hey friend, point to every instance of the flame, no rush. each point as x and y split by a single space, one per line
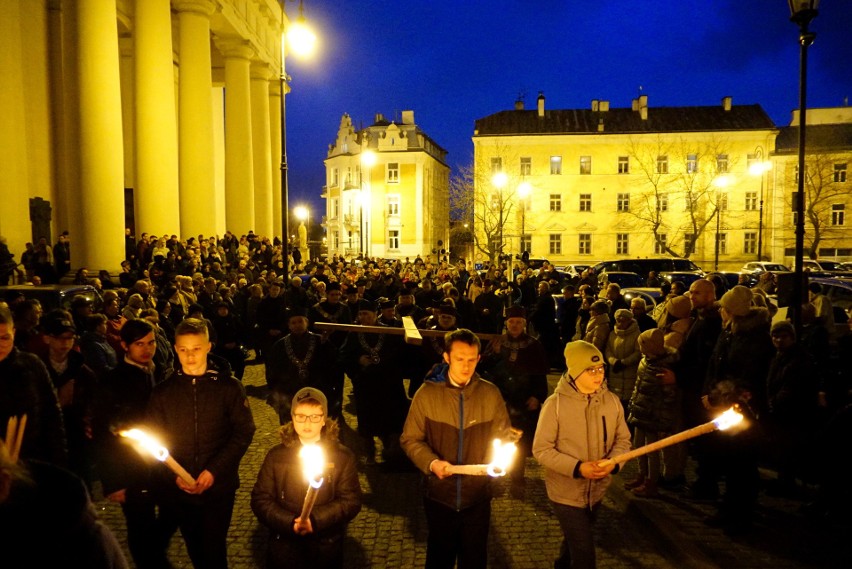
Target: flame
728 419
147 442
313 464
503 456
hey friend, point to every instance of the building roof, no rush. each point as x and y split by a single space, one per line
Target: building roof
831 137
624 121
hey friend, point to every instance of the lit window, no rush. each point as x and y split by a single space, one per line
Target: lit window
526 166
496 165
692 163
393 204
555 165
722 163
585 165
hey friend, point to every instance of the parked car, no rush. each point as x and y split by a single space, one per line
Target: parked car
644 266
651 295
825 268
573 270
686 278
51 296
758 267
838 291
622 279
732 278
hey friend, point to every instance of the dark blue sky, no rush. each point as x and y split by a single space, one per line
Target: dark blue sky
454 62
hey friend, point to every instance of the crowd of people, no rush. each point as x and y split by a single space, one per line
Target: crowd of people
176 327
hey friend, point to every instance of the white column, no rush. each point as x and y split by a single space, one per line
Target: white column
262 153
99 239
239 163
195 122
156 192
275 156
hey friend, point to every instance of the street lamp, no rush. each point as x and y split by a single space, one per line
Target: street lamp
758 167
524 190
801 14
499 181
720 182
368 160
302 42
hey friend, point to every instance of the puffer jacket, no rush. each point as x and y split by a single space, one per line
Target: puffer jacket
574 428
653 405
597 331
206 424
432 432
623 355
280 489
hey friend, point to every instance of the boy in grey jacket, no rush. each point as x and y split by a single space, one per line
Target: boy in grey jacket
580 425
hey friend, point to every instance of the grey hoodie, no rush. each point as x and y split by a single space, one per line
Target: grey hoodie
573 428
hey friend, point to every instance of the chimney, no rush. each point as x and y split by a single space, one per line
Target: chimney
519 104
407 117
643 101
600 125
726 103
643 113
634 105
540 102
604 106
379 117
595 105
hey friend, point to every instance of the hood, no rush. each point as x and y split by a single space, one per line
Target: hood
567 387
631 330
757 320
330 433
438 373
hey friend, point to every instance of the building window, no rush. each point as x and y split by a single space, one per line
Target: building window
585 202
393 173
393 204
662 164
393 239
692 163
555 202
624 164
750 243
688 243
723 243
722 201
838 214
840 173
721 163
335 208
662 202
585 164
660 243
622 244
793 199
623 203
555 243
348 179
496 165
335 177
689 202
526 166
526 243
751 201
585 244
555 165
335 240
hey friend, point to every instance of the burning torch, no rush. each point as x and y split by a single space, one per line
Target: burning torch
313 465
158 451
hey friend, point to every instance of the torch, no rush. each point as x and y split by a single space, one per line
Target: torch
313 465
502 459
724 421
158 451
15 436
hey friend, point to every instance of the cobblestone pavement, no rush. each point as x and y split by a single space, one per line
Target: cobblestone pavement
631 532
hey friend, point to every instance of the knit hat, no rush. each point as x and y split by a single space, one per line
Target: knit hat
308 394
623 313
679 307
783 327
516 312
580 356
737 301
652 342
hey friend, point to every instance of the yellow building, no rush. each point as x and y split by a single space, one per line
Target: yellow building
828 186
113 116
582 185
386 191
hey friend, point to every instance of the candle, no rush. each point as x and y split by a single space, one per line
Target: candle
724 421
502 459
15 436
158 451
313 465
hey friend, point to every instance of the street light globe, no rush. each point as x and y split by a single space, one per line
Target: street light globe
301 38
723 181
301 212
759 167
500 179
524 189
368 158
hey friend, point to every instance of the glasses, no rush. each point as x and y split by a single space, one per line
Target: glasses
299 418
595 370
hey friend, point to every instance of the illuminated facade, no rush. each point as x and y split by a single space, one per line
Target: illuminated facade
114 116
386 191
603 183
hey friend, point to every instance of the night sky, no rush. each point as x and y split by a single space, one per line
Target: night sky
454 62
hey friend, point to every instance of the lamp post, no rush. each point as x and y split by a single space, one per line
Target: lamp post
499 181
368 160
719 182
524 190
302 42
801 14
759 167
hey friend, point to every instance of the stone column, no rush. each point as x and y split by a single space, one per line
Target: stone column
262 151
239 162
156 191
275 156
195 120
98 237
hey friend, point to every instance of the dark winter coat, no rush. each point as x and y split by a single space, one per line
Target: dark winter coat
653 406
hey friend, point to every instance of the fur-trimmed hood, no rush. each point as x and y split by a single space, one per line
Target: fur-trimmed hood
757 318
